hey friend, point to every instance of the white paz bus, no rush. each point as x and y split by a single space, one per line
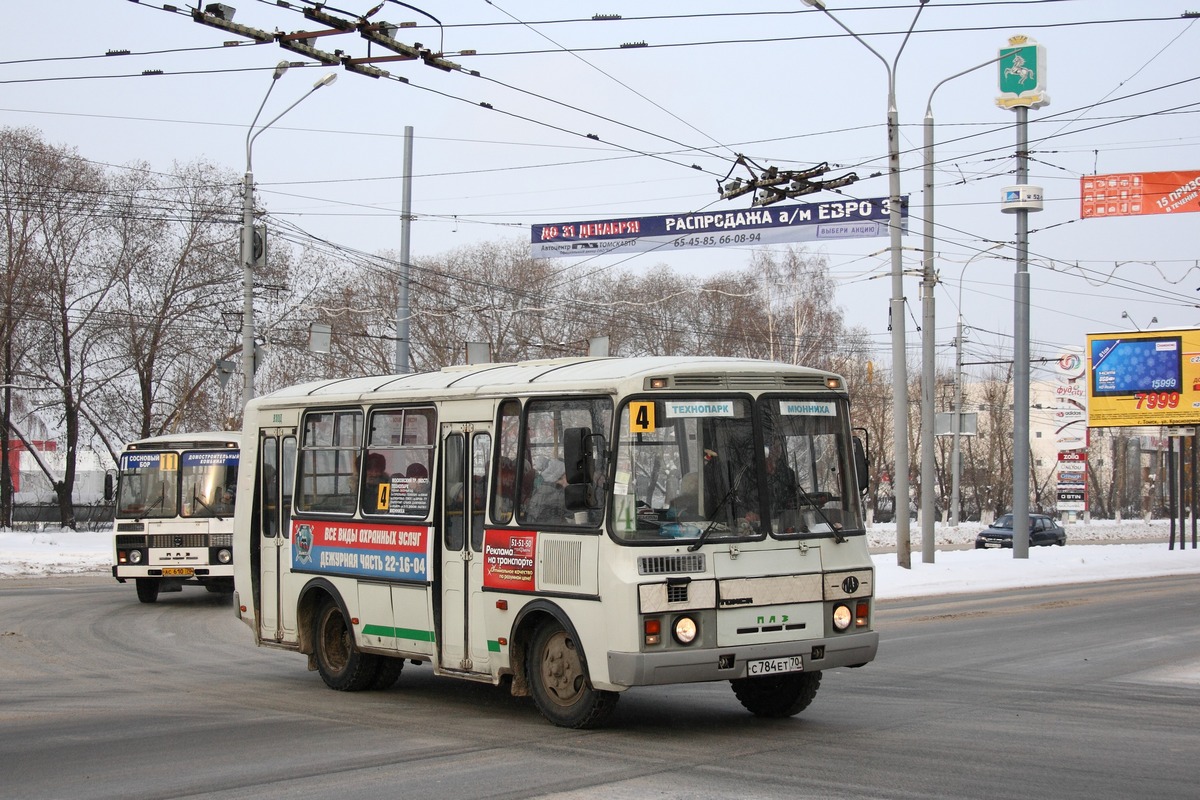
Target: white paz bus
174 512
572 528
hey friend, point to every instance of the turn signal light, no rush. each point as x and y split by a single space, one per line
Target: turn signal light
653 631
862 613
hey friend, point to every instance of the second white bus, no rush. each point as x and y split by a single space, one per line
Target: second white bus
174 513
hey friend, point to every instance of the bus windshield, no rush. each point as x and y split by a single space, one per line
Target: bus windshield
731 468
209 481
148 485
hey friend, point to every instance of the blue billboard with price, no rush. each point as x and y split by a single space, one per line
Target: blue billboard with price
804 222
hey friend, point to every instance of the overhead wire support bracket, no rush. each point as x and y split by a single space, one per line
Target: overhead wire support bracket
218 20
774 185
298 42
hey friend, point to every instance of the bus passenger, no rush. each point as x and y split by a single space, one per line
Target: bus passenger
374 475
547 502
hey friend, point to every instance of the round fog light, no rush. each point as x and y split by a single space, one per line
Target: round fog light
842 617
685 630
224 556
135 556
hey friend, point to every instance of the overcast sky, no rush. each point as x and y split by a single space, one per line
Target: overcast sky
774 80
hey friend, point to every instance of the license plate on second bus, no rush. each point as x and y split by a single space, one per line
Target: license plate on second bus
178 572
774 666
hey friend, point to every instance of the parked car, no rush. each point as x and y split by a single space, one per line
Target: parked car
1043 530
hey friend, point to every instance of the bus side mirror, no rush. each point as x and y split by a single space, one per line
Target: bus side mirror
109 486
862 469
578 458
579 497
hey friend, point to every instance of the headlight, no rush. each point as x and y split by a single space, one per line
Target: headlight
224 556
842 617
135 556
684 630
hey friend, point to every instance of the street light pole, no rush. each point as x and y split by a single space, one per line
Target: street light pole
928 337
955 448
896 310
247 239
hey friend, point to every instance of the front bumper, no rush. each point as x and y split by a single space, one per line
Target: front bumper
722 664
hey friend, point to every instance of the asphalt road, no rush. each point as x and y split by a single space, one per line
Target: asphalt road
1085 691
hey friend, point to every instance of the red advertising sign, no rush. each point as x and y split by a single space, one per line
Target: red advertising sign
1132 194
508 559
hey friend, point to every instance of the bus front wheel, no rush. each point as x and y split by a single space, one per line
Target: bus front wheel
342 665
559 682
147 589
777 696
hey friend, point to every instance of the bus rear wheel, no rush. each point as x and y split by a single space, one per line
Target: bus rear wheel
147 589
777 696
559 682
342 665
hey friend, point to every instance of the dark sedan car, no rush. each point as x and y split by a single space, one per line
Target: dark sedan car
1042 531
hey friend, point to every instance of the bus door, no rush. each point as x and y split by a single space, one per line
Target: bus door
466 451
277 460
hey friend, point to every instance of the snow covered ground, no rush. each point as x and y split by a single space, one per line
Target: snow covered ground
1096 551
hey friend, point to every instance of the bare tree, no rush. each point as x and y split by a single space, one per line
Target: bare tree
73 274
20 171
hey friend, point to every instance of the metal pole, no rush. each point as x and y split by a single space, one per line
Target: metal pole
955 451
402 310
247 248
247 283
896 310
1021 354
928 281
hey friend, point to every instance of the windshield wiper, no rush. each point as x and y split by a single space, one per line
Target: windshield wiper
198 500
694 546
835 528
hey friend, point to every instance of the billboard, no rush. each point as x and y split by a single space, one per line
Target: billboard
1143 378
1132 194
805 222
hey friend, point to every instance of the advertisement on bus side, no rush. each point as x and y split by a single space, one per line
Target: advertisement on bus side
395 552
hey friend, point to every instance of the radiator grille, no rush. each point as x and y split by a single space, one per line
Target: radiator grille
129 540
179 540
677 593
671 565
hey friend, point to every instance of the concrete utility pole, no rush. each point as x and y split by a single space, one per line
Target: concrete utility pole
402 309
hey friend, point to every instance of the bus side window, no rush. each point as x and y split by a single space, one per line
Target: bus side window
481 447
329 461
269 477
505 497
543 496
285 486
456 493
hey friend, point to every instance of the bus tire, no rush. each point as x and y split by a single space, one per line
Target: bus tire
777 696
342 665
559 682
147 589
387 673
